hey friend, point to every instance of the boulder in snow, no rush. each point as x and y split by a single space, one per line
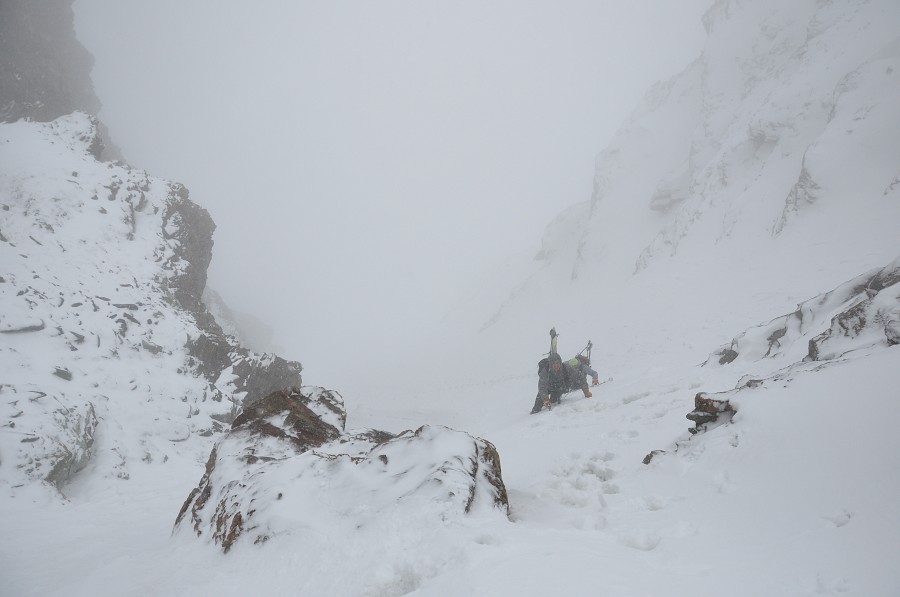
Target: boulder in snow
283 469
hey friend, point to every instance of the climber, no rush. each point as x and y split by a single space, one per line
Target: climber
579 368
555 377
553 382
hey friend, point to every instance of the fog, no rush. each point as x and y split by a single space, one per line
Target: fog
366 161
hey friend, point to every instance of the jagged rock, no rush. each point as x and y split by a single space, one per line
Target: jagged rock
259 376
213 354
708 410
281 456
298 424
892 332
249 376
150 346
63 373
865 305
653 454
726 355
61 445
192 227
804 192
46 71
869 321
75 451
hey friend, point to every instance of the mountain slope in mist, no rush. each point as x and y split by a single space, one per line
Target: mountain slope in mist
771 156
757 183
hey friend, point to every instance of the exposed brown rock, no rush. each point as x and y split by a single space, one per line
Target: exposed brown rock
300 425
708 409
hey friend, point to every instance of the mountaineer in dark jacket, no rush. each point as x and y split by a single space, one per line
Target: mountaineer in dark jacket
555 378
553 382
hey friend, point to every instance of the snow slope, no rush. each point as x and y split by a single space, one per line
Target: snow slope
768 166
763 178
91 341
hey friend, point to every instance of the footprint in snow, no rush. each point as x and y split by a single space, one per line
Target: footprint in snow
581 483
641 540
841 518
654 503
486 540
723 482
822 586
634 397
610 488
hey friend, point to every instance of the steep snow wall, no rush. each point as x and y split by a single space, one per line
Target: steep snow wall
768 167
783 126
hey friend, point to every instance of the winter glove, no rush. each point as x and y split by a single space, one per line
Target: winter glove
596 381
587 393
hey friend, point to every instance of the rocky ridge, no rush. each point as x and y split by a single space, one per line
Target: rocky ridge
858 317
855 320
113 361
104 268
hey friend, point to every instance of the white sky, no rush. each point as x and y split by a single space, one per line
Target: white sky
362 160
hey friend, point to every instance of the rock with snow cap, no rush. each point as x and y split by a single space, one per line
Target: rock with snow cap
871 321
856 314
287 465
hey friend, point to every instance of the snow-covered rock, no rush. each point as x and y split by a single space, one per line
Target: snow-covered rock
103 270
851 321
287 464
857 314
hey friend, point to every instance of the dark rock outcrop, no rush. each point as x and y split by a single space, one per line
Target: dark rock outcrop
708 409
255 375
45 70
299 424
260 375
191 225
